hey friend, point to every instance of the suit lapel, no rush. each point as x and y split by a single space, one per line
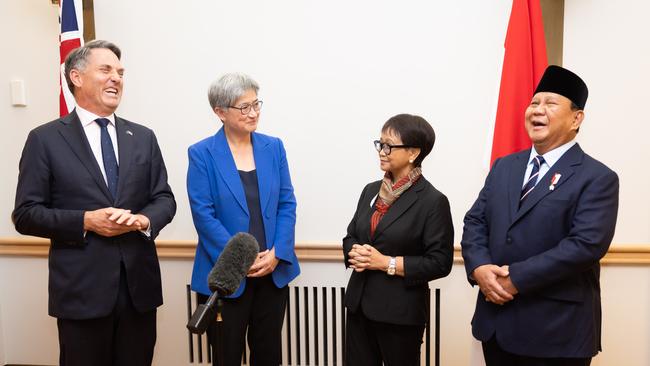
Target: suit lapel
224 163
565 167
264 166
516 180
406 200
126 144
75 137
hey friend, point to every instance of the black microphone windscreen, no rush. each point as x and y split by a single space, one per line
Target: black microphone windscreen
233 264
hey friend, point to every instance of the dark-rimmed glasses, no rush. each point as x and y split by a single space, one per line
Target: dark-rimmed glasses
387 148
246 108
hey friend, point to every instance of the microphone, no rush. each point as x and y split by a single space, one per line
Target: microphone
233 264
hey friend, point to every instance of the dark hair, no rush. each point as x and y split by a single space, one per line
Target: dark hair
78 57
414 131
575 108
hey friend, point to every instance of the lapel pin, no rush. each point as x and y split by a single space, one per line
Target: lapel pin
554 180
128 132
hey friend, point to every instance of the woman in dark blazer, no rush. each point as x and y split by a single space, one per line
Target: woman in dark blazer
400 238
238 181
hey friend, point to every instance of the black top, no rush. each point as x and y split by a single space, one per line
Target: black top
256 225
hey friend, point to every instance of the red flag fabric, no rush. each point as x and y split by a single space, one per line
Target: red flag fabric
71 37
524 63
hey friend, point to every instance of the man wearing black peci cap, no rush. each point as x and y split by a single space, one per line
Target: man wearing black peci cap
533 239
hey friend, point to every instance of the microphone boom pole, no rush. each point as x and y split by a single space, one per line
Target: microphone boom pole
231 268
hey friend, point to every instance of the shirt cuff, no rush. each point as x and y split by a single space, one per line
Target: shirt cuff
147 232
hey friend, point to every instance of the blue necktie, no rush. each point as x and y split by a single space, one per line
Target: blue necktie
108 155
532 180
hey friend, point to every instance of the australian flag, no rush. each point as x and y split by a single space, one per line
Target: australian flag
71 37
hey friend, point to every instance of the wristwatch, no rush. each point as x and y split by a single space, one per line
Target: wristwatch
391 266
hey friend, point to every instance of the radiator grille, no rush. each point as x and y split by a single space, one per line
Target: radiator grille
313 333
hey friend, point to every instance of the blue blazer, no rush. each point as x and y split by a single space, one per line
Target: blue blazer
553 244
219 207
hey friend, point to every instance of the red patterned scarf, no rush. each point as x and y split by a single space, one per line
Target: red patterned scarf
389 193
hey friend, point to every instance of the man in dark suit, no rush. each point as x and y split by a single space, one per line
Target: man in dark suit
533 239
96 186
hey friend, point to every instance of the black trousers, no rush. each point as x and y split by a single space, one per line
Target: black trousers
123 338
496 356
260 312
369 343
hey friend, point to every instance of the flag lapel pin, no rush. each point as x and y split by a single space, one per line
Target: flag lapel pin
554 180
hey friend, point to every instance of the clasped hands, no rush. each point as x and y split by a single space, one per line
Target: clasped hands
111 221
495 283
264 264
362 257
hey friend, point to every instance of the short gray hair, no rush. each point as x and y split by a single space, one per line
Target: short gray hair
224 91
78 57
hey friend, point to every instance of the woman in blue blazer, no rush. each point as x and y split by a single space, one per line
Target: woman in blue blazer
238 181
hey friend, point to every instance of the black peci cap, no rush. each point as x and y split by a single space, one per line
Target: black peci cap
564 82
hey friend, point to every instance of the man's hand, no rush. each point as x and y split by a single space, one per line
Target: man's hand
506 282
112 221
264 264
490 278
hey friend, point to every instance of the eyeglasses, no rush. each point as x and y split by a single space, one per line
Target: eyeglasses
246 108
387 148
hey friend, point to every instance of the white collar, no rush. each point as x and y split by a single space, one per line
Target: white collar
551 157
87 117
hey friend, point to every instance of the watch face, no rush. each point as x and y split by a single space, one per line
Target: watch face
391 271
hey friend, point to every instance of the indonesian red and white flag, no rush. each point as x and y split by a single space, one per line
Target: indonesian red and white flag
524 63
71 37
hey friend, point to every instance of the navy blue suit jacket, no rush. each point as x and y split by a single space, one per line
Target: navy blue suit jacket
219 207
553 245
59 180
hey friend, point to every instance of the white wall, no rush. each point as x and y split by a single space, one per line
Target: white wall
30 43
626 319
331 73
606 42
626 300
2 340
25 322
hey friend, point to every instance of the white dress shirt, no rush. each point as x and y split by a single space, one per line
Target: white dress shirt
93 134
550 158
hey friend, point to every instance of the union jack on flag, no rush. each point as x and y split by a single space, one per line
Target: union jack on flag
71 37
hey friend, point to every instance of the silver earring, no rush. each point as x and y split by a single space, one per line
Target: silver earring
411 161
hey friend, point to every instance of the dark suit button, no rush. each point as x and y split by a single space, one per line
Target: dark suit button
509 240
